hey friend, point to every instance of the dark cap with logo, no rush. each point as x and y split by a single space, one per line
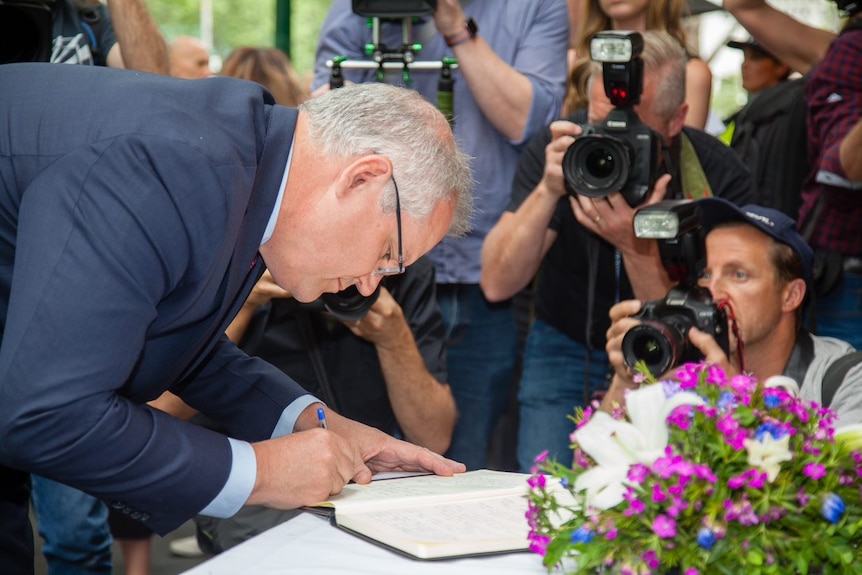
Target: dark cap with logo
751 44
777 225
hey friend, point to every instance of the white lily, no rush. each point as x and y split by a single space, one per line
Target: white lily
616 445
788 383
768 455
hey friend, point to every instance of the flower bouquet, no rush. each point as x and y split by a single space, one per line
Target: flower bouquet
699 475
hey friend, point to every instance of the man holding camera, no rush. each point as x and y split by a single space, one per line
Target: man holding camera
759 269
584 249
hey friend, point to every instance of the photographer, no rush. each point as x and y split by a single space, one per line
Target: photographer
759 269
584 250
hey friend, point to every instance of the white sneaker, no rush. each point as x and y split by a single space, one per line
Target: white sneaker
186 547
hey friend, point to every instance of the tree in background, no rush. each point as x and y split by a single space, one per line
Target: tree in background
245 23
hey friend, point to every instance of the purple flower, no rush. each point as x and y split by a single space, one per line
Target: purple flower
833 508
664 527
537 481
815 471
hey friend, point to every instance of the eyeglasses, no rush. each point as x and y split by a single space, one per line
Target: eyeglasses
400 269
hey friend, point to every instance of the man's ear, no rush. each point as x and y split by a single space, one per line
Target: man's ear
794 295
678 120
372 171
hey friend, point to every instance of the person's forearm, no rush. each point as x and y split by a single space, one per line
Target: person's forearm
645 270
424 408
142 44
851 158
796 44
504 95
617 393
240 323
514 248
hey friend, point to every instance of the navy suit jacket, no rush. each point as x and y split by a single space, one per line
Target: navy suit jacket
132 207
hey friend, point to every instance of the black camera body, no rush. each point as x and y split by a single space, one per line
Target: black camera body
346 305
394 8
661 339
25 30
621 153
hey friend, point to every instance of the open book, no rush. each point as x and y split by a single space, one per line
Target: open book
432 517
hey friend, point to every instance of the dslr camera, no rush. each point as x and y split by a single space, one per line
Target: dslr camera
346 305
661 339
393 8
620 154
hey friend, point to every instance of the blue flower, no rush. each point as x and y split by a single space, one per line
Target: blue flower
775 430
726 401
832 508
582 535
706 538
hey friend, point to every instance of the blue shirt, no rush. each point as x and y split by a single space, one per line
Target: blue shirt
530 36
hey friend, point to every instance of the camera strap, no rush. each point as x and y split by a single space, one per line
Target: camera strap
307 331
695 184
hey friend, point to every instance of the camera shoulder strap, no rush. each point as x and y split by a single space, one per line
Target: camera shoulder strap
835 374
695 185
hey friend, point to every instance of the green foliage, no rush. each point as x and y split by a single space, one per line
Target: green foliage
245 23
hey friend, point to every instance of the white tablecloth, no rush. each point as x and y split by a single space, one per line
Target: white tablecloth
309 545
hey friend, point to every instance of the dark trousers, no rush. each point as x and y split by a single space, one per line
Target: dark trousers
16 533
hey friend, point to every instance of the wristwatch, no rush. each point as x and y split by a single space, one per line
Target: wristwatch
468 32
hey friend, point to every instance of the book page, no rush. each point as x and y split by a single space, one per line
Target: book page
396 493
466 527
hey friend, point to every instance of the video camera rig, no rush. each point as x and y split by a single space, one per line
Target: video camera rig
403 57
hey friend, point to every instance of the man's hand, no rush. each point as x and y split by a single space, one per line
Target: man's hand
311 464
621 323
449 17
712 352
384 324
612 218
264 291
563 134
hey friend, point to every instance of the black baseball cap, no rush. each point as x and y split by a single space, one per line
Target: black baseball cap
751 44
776 224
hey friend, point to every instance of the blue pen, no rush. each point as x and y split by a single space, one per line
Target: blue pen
321 417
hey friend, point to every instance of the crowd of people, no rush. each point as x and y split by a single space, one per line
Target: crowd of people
209 261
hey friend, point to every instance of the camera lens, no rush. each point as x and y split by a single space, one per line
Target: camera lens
657 344
596 165
600 163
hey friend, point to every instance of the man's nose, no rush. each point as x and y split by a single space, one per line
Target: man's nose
367 284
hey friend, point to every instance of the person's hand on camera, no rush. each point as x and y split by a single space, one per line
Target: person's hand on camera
712 351
563 134
384 324
612 218
623 380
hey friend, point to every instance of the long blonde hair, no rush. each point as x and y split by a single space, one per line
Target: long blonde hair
661 15
270 68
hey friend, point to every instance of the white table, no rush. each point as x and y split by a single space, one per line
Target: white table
309 545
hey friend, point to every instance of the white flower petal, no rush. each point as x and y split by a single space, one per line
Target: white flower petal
788 383
605 486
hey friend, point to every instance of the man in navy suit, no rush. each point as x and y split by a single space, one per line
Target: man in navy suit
136 214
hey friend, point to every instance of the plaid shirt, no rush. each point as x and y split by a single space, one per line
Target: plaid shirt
834 96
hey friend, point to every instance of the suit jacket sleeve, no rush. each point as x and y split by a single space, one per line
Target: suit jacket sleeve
124 276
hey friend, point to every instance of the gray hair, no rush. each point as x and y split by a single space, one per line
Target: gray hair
665 57
664 61
397 123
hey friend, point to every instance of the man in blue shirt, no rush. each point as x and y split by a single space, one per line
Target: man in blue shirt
510 82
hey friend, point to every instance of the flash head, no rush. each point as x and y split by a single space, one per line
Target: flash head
616 46
666 220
